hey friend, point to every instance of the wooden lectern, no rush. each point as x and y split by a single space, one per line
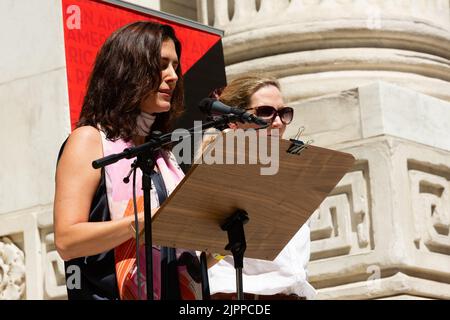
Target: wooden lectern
277 205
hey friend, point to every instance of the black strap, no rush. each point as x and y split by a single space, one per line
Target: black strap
159 185
170 287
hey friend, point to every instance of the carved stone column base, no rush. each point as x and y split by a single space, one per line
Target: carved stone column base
384 231
31 231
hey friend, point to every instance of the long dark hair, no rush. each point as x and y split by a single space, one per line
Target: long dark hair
127 68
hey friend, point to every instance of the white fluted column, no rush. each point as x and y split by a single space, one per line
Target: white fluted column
435 12
341 43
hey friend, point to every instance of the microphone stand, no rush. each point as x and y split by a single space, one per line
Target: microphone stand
145 154
234 226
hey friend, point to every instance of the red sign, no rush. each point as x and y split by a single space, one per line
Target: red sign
88 23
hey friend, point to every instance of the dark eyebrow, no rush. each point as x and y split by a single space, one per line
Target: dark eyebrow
165 59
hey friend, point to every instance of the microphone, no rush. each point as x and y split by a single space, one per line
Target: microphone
210 106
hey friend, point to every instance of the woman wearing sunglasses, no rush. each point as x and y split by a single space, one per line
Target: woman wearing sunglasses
284 278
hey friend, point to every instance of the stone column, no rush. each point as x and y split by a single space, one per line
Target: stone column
364 77
323 46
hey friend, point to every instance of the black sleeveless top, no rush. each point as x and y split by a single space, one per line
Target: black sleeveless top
93 277
97 274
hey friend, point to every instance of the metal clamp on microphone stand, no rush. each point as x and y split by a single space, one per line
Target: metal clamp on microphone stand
234 226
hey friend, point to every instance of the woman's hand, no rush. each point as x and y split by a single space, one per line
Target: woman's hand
141 222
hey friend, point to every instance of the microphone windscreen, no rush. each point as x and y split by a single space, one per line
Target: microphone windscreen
205 105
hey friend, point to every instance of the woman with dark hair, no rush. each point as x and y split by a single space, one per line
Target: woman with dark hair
135 87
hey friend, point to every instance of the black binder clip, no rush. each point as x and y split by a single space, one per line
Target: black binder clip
297 146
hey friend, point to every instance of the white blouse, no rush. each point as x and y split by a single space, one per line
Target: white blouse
287 274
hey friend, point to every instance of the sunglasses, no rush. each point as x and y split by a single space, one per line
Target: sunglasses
268 112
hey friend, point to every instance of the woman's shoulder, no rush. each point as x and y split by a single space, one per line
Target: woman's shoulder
86 136
84 142
85 133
